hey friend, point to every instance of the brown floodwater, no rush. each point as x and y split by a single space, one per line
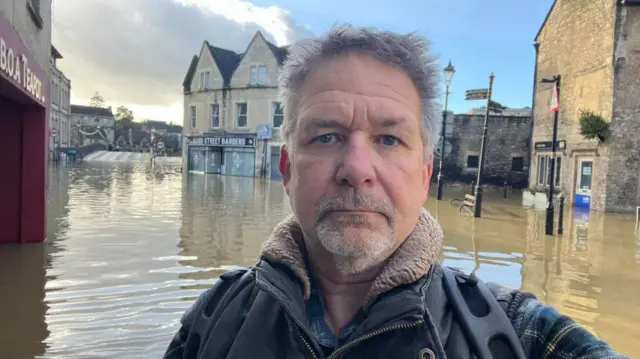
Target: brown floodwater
128 250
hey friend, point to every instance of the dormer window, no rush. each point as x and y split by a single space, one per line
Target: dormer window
258 75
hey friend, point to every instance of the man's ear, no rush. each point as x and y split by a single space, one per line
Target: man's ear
427 171
285 166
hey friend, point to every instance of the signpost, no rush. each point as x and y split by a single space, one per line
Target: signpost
481 94
554 107
54 133
476 94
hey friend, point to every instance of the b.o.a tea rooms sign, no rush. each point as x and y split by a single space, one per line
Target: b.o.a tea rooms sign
15 66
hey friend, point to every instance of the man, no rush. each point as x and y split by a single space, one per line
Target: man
353 272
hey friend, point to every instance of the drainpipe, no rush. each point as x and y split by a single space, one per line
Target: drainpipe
536 46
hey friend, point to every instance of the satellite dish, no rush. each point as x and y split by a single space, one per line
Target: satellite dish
264 132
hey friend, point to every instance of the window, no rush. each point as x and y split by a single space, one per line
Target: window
257 75
241 115
192 116
34 10
517 164
35 4
253 76
544 171
215 115
207 80
277 114
472 161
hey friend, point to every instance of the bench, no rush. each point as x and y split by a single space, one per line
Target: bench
468 203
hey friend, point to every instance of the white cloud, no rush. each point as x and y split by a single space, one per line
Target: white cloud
137 52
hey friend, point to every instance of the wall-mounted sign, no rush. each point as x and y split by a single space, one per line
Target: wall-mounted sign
546 145
16 67
224 141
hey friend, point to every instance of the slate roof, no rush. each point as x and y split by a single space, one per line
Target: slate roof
227 61
91 111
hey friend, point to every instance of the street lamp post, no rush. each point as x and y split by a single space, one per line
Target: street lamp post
449 71
477 208
549 220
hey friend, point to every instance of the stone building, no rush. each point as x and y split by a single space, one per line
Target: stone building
595 47
230 102
92 125
25 49
507 151
60 95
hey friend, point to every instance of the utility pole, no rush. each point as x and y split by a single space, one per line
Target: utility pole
477 208
449 71
556 109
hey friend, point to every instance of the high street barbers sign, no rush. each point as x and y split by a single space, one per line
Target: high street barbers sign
223 141
17 66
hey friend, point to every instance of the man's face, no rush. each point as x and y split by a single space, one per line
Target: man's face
356 172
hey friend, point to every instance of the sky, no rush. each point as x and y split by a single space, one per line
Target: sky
136 52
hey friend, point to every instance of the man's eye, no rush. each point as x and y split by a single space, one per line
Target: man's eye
389 140
325 138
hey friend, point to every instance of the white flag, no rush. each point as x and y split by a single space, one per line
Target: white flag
555 101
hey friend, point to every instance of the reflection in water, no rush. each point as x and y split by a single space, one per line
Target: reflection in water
128 250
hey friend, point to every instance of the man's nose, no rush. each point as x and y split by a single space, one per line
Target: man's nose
356 166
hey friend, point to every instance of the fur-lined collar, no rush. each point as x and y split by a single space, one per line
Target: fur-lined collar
407 264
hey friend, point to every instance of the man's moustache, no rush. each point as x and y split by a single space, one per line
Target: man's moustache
353 200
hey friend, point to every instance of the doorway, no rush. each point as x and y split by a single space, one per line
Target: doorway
584 176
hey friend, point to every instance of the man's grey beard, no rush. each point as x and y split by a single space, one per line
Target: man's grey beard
355 255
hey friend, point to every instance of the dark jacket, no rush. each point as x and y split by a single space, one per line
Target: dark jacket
260 313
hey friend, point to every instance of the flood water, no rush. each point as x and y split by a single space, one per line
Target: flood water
128 251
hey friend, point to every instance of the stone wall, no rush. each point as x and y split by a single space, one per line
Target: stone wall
622 183
507 137
577 42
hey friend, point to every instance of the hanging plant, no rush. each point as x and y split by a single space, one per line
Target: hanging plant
593 125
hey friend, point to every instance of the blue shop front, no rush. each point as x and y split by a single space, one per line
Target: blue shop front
226 154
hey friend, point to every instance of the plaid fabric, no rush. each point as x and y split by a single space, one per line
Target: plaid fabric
545 333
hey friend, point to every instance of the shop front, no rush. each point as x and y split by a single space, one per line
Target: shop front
226 154
23 140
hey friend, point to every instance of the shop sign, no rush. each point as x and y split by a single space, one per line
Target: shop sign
15 64
223 141
546 145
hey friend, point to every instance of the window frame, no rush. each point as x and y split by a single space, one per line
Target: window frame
262 81
211 116
274 106
253 76
193 116
513 158
246 115
544 163
477 162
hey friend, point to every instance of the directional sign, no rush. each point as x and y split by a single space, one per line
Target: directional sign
54 133
476 94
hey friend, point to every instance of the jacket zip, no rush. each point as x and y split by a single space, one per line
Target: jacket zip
341 350
307 345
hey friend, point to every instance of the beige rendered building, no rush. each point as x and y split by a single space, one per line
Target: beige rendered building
231 113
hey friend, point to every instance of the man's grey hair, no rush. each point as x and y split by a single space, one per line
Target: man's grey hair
408 53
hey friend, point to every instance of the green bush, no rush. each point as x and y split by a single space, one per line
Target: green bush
593 125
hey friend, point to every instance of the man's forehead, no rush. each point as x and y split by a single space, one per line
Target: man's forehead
352 71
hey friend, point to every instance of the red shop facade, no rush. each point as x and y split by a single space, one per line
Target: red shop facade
24 89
